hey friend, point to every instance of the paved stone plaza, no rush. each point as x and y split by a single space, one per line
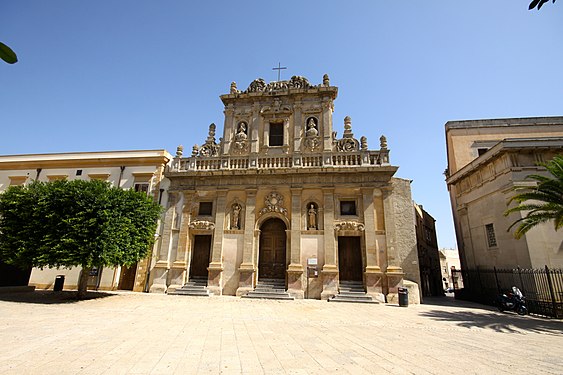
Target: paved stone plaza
131 333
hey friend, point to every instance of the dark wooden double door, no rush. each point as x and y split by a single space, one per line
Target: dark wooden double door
200 257
272 256
350 259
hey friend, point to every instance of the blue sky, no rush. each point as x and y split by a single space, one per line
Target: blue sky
117 75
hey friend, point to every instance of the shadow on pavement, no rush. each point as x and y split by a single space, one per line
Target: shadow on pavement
490 319
47 297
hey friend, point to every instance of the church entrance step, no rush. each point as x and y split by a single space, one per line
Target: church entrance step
269 289
194 287
352 291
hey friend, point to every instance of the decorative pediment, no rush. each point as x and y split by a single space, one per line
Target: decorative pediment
349 225
202 225
276 108
274 203
296 82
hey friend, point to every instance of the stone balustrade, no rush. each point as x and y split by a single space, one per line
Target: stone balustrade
334 159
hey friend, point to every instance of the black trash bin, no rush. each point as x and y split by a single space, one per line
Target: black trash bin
403 297
59 282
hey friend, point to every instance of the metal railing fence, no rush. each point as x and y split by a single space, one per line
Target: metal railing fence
543 288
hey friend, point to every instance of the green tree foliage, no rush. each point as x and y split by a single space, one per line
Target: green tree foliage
538 4
7 54
541 203
75 223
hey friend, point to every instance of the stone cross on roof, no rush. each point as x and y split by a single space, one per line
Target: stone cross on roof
279 69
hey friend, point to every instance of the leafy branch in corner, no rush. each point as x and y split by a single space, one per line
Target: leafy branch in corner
538 4
7 54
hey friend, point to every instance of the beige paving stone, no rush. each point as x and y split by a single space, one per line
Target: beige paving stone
129 333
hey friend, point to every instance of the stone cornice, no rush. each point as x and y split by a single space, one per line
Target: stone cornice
506 146
85 159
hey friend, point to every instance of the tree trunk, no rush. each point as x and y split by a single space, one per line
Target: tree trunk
83 282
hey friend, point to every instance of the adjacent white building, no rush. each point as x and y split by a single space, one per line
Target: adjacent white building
139 169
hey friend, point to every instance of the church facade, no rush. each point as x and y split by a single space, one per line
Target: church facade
282 197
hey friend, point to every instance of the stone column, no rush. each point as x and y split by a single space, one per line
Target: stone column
228 128
214 278
327 124
295 269
297 126
393 273
162 266
248 268
254 133
179 256
373 274
329 272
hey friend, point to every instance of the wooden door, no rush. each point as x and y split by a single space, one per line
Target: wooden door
127 278
272 262
200 256
350 258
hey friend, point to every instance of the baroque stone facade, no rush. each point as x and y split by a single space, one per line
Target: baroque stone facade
280 191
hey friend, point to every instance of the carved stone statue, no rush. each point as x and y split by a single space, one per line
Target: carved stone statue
312 128
240 145
235 218
234 87
241 132
312 217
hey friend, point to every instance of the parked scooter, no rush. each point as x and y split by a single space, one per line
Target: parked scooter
513 301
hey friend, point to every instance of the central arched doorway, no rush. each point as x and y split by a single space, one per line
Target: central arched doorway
272 252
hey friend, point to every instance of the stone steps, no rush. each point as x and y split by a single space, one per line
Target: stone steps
352 291
194 287
269 289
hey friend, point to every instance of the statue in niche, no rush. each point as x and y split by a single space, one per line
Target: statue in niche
235 218
312 217
241 132
312 128
241 139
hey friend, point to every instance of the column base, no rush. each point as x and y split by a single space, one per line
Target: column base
374 283
214 278
395 277
329 276
295 281
246 279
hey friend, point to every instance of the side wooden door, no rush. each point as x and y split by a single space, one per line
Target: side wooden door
350 259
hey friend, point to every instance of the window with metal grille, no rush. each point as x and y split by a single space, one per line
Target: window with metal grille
491 238
347 207
205 208
276 134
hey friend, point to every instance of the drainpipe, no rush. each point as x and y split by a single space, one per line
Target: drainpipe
120 176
